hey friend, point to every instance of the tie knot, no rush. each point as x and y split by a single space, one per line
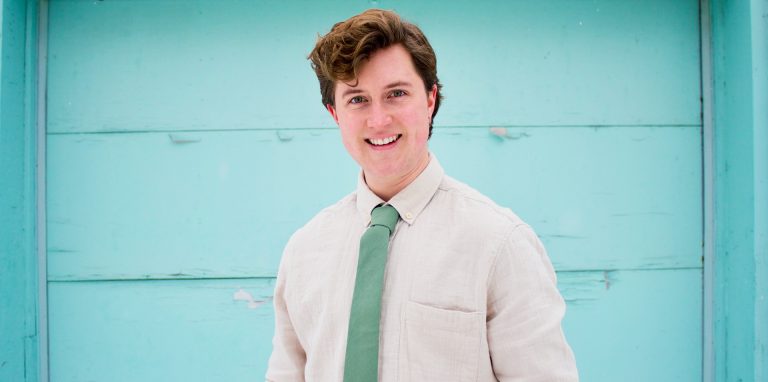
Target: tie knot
385 216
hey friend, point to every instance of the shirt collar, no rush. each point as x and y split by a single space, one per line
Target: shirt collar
410 201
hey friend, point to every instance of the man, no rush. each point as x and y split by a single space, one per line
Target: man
462 289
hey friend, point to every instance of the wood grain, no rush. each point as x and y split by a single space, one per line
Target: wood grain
187 142
117 66
141 206
195 330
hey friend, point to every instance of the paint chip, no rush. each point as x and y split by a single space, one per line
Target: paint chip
180 139
242 295
283 136
503 133
499 131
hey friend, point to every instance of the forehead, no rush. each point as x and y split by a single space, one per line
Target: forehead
385 66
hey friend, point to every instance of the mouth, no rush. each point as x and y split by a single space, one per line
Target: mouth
383 142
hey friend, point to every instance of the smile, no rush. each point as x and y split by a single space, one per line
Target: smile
383 141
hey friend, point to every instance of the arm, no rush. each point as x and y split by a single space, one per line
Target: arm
525 310
288 358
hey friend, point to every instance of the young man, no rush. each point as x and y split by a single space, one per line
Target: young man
452 287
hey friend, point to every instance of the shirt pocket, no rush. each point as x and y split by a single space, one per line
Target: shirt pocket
442 344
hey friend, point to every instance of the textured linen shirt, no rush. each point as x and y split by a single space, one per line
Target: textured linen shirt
469 293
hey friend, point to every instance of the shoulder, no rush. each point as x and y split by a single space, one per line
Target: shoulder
468 203
489 218
479 220
493 232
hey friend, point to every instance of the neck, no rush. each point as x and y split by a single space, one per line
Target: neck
386 188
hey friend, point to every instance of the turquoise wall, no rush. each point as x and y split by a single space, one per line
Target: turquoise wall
740 60
187 141
18 266
177 131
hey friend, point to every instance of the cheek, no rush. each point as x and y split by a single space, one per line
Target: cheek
347 137
422 137
420 119
350 138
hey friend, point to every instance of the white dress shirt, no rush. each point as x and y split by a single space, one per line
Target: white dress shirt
469 293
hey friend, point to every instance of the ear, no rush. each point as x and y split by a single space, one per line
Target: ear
332 110
431 98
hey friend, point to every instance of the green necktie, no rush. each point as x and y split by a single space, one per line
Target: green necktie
362 360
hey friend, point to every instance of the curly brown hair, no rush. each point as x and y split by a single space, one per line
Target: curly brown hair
338 55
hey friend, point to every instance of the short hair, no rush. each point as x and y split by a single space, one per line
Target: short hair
338 55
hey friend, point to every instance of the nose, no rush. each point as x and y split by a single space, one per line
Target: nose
378 116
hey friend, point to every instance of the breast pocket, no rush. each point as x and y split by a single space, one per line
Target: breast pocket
441 345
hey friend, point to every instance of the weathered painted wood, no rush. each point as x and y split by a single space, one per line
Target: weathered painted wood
171 65
195 330
187 195
740 62
209 205
614 198
18 273
598 62
223 204
635 325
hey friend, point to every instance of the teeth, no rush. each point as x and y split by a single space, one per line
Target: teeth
383 141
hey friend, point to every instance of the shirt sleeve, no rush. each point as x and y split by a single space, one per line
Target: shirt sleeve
525 311
286 364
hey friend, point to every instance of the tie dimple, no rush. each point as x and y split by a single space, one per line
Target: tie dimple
384 216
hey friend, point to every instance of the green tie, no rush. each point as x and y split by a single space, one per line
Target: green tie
362 360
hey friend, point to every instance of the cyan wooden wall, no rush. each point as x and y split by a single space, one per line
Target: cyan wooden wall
19 328
186 141
740 84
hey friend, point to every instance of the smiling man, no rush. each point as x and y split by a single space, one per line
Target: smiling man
414 276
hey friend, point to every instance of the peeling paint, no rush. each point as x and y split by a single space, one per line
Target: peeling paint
499 131
179 139
518 136
503 133
242 295
283 137
606 280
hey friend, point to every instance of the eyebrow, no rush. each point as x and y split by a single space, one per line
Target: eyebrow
398 84
350 91
353 90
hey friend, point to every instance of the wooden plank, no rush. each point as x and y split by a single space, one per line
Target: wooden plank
614 198
635 325
170 65
597 62
161 331
19 331
195 330
217 204
740 63
225 203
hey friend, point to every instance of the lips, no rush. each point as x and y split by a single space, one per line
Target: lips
383 141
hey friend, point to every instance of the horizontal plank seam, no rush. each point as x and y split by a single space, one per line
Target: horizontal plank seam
595 270
333 128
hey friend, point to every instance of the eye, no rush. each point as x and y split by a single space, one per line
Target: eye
398 93
356 100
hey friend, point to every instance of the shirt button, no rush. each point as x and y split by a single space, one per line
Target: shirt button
408 215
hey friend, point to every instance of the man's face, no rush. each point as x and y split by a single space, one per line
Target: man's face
384 119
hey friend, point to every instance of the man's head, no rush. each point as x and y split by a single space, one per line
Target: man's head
378 80
339 55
